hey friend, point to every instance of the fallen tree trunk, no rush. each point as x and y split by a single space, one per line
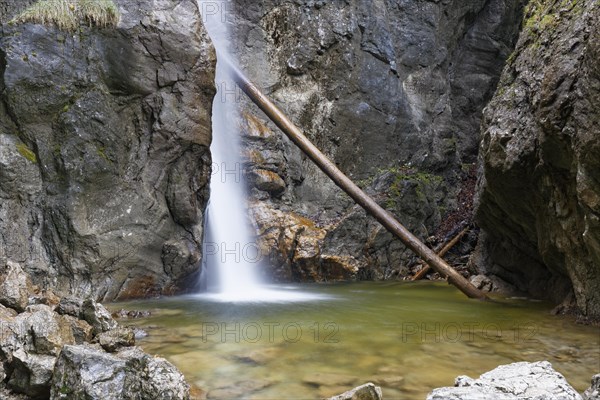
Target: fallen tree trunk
360 197
446 248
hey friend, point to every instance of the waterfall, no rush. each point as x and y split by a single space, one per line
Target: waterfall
232 257
230 253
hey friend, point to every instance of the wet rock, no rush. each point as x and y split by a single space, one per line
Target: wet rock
132 314
97 316
492 284
116 339
15 286
518 381
122 110
267 181
593 392
367 391
539 197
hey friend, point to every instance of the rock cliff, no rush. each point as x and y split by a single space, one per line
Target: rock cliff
393 93
104 149
539 201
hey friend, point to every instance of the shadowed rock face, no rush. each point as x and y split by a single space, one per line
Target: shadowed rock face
392 91
104 158
539 194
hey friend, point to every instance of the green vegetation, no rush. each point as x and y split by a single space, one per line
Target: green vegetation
421 181
26 152
68 14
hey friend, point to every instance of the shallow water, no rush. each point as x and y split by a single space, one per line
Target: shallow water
408 338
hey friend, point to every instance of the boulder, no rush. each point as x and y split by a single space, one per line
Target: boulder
368 391
88 372
97 316
31 374
70 306
116 339
517 381
49 331
593 393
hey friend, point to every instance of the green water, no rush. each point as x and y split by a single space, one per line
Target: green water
408 338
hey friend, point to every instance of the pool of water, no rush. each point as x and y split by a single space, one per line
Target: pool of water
406 337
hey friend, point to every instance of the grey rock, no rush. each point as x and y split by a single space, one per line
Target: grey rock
49 331
98 317
14 286
518 381
593 392
31 374
368 391
104 149
539 201
379 87
72 306
88 372
116 339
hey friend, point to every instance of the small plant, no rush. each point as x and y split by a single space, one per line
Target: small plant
68 14
26 152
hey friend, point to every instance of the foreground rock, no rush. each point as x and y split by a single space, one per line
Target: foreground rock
540 189
104 149
367 391
71 348
517 381
593 393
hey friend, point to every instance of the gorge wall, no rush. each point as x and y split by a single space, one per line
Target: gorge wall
104 159
539 198
393 92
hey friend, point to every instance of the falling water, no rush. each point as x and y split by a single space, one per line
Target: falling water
231 256
230 252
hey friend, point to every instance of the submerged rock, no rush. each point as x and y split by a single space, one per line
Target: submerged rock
517 381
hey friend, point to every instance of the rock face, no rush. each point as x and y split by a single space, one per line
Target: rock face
392 92
70 349
104 159
539 201
518 381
